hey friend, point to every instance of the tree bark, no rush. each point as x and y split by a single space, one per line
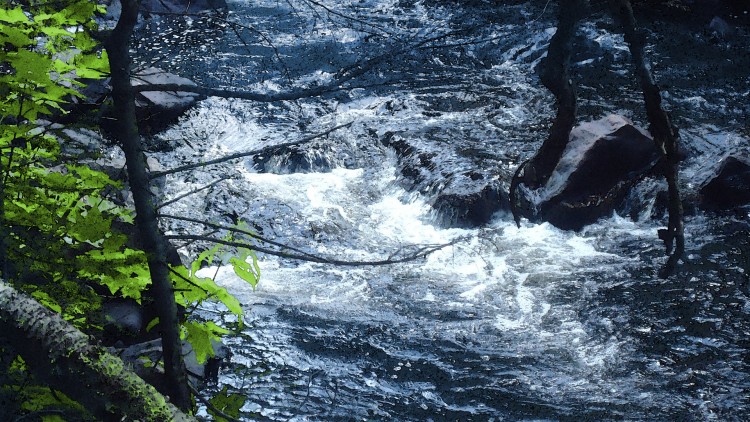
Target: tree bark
154 244
556 77
664 133
60 355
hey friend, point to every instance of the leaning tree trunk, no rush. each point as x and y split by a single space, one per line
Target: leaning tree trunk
556 77
154 243
664 133
61 356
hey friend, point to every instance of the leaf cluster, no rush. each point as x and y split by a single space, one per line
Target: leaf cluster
44 54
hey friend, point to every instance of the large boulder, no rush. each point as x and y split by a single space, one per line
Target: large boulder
729 187
602 161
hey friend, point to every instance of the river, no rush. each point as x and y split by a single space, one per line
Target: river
530 323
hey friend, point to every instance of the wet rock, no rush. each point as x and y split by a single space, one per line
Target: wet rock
295 159
156 110
602 161
124 321
729 187
415 165
471 208
183 6
142 356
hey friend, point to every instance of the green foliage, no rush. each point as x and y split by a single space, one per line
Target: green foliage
200 335
192 290
37 398
56 222
248 271
228 403
54 216
24 397
38 77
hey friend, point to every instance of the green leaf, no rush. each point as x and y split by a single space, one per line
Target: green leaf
248 271
228 403
13 15
208 256
15 36
200 335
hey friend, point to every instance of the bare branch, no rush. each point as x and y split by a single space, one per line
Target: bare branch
237 230
347 17
247 153
343 76
665 135
421 252
243 95
194 191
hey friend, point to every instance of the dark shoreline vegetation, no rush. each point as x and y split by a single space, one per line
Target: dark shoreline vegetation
120 209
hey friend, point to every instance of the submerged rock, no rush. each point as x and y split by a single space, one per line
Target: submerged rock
729 187
157 110
472 207
296 159
601 162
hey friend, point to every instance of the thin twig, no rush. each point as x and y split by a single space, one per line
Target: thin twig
247 153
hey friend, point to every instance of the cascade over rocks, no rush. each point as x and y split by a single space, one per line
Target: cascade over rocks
729 187
601 162
467 197
296 159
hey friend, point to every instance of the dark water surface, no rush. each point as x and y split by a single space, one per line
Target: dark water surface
509 324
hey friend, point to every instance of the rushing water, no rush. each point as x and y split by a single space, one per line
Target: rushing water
507 324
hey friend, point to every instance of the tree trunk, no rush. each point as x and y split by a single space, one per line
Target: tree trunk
61 356
556 77
154 244
664 133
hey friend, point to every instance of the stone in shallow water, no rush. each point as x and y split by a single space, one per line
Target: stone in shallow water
472 207
466 198
729 187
